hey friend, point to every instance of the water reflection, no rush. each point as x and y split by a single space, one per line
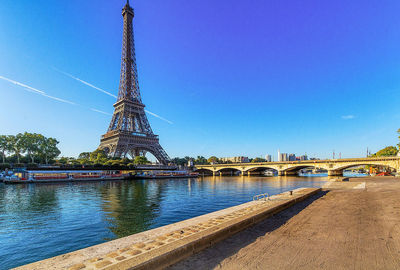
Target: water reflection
131 207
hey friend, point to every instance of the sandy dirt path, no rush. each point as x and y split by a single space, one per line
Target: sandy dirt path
338 229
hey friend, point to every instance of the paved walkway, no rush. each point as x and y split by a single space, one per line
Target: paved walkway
337 229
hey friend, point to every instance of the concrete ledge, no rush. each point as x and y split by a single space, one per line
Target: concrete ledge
164 246
344 185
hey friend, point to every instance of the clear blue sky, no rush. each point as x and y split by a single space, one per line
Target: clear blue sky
234 77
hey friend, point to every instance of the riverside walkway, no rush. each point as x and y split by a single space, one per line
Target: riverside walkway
345 227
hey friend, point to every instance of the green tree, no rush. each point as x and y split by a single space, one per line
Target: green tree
48 149
126 161
3 146
212 159
257 159
387 151
31 144
117 162
84 161
200 160
139 160
84 155
63 160
16 145
179 161
97 156
398 131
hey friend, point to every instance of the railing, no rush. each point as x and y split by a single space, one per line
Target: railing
155 167
115 132
367 159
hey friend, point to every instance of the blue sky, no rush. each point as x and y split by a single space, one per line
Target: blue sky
234 77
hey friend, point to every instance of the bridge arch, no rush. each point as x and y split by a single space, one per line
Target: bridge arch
229 169
204 171
348 166
260 168
297 168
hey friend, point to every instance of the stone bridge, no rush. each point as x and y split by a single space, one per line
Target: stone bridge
333 166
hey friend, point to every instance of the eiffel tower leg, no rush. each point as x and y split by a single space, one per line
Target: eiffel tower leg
160 154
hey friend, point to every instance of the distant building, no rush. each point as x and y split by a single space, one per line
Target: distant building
283 157
190 163
235 159
303 157
292 157
268 158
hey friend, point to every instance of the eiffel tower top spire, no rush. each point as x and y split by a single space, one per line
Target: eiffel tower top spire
129 83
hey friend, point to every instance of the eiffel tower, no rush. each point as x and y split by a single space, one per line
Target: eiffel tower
129 132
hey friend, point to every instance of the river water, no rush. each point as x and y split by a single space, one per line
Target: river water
38 221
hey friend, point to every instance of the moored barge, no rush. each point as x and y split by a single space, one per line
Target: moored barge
40 176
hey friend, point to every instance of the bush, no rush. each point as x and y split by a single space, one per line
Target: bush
131 165
19 165
98 165
77 166
4 166
32 165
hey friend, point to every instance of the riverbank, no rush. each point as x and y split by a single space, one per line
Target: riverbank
344 227
158 248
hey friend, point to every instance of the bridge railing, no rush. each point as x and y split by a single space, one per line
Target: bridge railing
304 161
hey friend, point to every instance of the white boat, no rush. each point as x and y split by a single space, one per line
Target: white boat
269 173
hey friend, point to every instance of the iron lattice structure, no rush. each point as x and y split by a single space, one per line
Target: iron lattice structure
129 132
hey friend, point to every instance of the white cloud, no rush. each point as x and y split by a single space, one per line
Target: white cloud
348 117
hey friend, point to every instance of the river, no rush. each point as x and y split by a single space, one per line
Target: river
38 221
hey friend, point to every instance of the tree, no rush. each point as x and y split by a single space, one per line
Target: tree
212 159
3 146
31 144
257 159
98 155
48 149
84 155
387 151
16 145
398 131
139 160
200 160
62 160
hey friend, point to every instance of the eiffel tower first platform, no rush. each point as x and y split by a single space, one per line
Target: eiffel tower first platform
129 132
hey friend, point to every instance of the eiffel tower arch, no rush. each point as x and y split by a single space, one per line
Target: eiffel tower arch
129 132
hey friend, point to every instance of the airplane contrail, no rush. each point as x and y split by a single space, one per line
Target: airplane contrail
105 92
95 110
43 93
22 85
36 91
84 82
156 115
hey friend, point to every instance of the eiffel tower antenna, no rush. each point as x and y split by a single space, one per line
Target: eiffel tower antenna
129 132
